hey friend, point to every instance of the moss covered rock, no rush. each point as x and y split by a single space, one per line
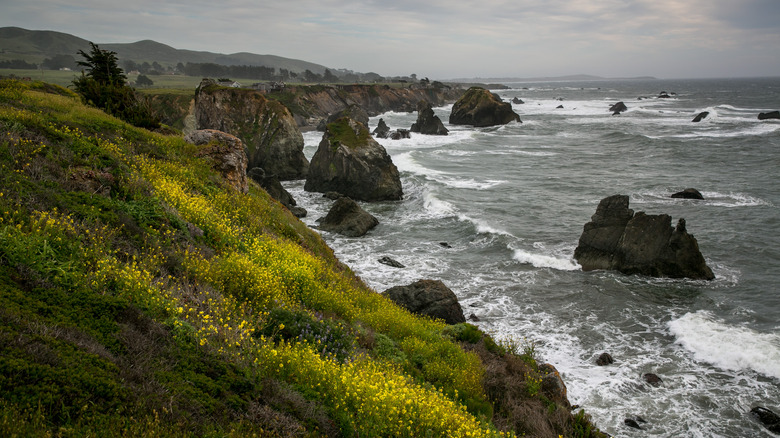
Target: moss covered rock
351 162
480 107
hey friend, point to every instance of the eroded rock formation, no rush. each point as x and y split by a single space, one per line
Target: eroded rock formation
427 122
479 107
349 161
268 130
226 152
617 239
348 218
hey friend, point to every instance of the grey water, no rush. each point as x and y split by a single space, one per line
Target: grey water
511 201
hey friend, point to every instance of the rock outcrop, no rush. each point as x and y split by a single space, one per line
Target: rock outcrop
348 218
226 152
430 298
427 122
618 108
769 115
479 107
689 193
274 188
353 111
268 130
617 239
517 101
381 130
701 116
400 134
349 161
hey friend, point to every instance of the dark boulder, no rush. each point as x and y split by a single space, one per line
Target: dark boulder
559 107
688 193
664 95
479 107
617 239
618 108
701 116
272 185
769 419
353 111
427 123
517 101
769 115
381 130
634 422
429 298
604 359
348 218
390 262
400 134
652 379
349 161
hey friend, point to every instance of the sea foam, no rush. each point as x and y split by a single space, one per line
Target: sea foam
730 347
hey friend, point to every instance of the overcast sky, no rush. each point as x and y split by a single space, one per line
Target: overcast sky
443 39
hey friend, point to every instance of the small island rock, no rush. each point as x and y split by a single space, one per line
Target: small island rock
479 107
381 130
618 108
769 115
620 240
430 298
428 123
689 193
349 161
701 116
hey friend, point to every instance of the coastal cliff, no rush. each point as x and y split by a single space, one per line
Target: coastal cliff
144 294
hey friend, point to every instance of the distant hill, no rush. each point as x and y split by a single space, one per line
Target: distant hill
36 45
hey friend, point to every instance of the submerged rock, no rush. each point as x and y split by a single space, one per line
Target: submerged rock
701 116
400 134
479 107
389 261
769 115
604 359
689 193
349 161
652 379
430 298
617 239
348 218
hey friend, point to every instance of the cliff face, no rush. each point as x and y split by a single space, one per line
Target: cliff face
266 127
310 104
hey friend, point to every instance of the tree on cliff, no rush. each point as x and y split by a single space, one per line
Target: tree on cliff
104 85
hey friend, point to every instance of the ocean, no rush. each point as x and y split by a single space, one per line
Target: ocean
510 203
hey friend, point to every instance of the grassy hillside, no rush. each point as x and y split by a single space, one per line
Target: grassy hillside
140 296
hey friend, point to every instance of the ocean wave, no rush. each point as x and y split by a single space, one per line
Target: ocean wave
729 347
545 261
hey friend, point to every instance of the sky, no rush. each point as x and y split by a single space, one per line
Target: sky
445 39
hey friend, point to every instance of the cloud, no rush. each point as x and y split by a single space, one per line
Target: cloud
441 39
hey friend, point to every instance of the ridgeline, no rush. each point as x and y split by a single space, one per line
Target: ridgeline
142 295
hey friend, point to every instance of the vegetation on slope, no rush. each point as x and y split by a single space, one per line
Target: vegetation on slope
140 296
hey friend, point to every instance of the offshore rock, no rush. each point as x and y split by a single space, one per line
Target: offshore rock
429 298
348 218
268 130
701 116
689 193
349 161
618 108
517 101
389 261
769 115
604 359
227 154
428 123
381 130
617 239
400 134
479 107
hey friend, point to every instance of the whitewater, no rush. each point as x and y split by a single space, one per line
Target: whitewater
496 213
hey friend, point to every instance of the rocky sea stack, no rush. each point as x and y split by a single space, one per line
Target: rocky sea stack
351 162
479 107
268 130
617 239
427 122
